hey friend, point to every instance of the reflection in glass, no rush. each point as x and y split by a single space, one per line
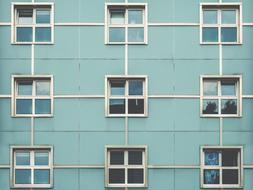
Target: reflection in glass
229 34
117 17
22 176
210 34
23 158
210 17
25 16
135 176
41 159
23 106
43 34
210 106
117 87
42 88
24 34
116 175
117 106
210 88
41 176
135 17
42 106
228 17
211 158
136 34
117 34
43 16
229 106
25 88
135 87
211 177
228 88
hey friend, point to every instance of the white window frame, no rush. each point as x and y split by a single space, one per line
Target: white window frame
239 167
16 78
126 97
126 6
31 149
126 166
34 6
218 97
219 7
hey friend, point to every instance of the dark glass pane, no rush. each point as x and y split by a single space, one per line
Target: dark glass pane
229 106
228 88
117 106
116 176
135 157
210 17
229 34
43 16
22 176
135 17
42 106
230 176
41 158
229 157
43 34
23 158
136 106
211 177
136 34
117 87
210 88
23 106
210 34
24 34
41 176
211 158
25 88
117 158
135 87
210 106
25 16
135 176
117 34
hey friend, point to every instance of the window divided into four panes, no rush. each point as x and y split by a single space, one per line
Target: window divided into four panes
126 167
33 24
126 96
221 24
220 96
32 167
33 97
221 167
126 24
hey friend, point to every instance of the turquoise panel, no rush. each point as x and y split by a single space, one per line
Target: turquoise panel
72 176
8 139
241 124
187 179
9 123
92 175
4 179
161 178
64 143
189 143
241 138
92 11
92 117
160 151
248 182
98 141
247 11
186 11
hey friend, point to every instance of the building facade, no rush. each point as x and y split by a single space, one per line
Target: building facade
135 94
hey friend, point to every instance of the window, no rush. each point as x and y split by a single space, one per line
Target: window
32 96
221 96
126 96
221 167
31 167
32 23
126 23
221 23
126 167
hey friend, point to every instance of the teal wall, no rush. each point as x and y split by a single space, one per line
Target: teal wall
173 60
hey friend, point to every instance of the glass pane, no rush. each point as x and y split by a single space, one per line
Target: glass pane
25 88
136 34
210 34
211 177
22 158
22 176
229 34
228 17
43 34
230 176
135 87
136 106
135 157
116 175
41 176
117 157
117 34
135 176
229 106
211 158
43 16
117 87
117 106
117 17
23 106
228 88
210 17
42 106
24 34
135 17
25 16
229 157
41 158
210 106
42 88
210 88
